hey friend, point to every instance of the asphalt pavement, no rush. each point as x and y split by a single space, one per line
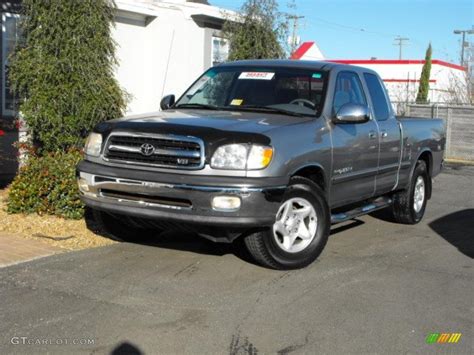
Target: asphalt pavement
378 287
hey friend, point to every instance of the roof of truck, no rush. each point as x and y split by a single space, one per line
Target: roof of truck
282 63
287 63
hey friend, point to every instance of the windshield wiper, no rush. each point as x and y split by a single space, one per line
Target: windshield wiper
269 109
241 108
201 106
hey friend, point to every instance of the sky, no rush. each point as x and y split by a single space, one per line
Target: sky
361 29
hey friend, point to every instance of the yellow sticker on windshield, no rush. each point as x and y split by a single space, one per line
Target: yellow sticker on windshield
236 102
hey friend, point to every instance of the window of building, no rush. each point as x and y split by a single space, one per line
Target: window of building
10 36
220 50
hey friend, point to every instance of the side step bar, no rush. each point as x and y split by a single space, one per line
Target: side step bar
375 205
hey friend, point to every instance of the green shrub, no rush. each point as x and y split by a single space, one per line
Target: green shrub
63 70
424 88
259 31
47 185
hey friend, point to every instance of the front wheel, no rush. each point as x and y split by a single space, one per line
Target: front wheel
300 231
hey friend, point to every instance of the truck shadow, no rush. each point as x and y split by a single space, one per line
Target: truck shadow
191 242
383 215
339 228
457 228
188 241
173 239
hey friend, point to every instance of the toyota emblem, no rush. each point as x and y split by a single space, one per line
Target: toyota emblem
147 149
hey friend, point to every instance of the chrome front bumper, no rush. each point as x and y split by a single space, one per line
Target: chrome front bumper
179 202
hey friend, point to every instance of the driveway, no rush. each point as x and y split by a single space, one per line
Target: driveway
379 287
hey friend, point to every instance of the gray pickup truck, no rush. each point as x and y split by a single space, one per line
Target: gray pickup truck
273 152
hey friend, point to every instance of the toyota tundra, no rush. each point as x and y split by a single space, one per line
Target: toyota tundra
271 151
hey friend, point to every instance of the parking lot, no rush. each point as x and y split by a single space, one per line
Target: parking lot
379 287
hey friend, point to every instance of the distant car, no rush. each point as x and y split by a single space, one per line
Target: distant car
8 153
270 151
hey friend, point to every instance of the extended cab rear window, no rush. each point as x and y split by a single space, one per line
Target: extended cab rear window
377 94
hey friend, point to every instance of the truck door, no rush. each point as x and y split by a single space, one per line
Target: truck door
390 135
355 146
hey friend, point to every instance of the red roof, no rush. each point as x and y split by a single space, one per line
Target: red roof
301 51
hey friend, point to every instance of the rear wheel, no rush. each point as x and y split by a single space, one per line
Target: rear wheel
300 231
409 205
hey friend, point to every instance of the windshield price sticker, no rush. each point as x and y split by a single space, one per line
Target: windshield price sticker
256 75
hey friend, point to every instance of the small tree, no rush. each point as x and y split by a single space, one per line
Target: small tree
258 32
424 88
458 90
63 71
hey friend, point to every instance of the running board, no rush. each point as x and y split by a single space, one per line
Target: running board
375 205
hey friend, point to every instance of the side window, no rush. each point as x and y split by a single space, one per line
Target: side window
348 90
377 94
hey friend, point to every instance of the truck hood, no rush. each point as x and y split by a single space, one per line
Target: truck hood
213 127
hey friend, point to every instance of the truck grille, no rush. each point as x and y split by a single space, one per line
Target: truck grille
161 151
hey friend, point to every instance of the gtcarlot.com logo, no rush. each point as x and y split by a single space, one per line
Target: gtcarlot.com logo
442 338
51 341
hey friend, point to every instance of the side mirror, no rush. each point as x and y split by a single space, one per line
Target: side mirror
167 102
352 113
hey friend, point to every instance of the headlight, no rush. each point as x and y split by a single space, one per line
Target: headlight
241 157
93 144
259 157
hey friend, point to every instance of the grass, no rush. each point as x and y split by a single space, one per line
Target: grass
60 232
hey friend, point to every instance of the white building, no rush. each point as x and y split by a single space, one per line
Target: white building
162 46
402 77
308 51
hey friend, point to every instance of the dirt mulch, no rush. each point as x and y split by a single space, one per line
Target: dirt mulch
63 233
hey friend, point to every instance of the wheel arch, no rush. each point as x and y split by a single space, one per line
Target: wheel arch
427 157
315 173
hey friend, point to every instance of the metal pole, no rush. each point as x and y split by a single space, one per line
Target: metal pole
462 47
400 44
408 88
294 40
463 32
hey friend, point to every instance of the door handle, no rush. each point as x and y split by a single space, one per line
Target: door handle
384 134
372 135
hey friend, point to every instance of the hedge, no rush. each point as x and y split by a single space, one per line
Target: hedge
47 185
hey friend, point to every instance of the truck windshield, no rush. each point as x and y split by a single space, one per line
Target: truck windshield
279 90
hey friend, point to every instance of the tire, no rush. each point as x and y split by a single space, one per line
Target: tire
405 209
120 228
272 249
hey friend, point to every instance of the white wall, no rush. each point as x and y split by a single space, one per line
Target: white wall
160 55
402 78
132 56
